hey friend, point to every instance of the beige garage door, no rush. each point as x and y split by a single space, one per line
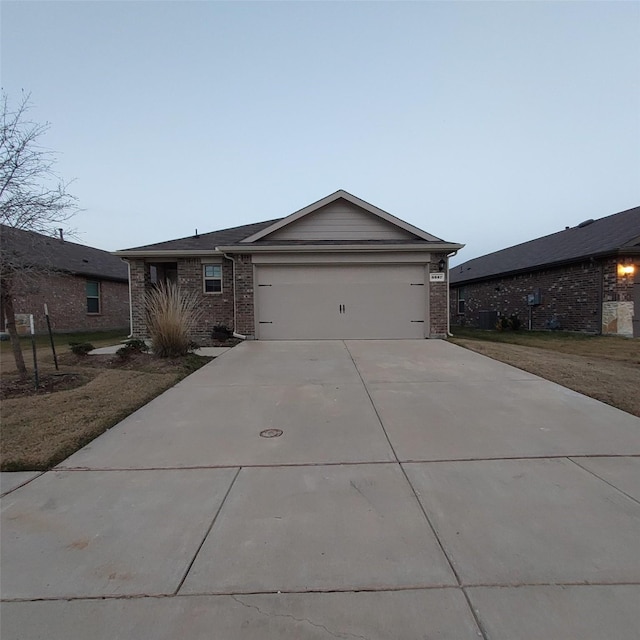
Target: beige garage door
340 302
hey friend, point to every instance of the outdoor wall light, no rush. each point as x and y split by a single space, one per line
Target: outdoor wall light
441 264
626 269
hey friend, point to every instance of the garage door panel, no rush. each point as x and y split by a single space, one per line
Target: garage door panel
341 302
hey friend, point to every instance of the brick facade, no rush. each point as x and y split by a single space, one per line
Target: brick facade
245 313
217 307
584 296
66 299
438 325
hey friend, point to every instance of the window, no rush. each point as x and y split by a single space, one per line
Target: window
163 272
212 278
460 291
93 296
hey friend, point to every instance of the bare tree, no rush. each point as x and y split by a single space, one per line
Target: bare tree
32 198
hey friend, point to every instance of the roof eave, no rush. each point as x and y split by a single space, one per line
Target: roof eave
166 253
333 248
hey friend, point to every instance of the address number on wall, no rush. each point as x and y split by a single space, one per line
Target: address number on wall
436 277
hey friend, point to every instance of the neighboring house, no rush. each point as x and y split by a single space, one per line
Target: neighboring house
339 268
85 289
585 278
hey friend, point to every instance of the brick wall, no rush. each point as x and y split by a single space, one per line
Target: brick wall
66 298
437 301
217 308
244 299
140 278
572 296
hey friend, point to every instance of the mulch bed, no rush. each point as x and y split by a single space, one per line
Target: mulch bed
13 387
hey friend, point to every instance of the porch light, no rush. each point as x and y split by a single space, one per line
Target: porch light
626 269
441 264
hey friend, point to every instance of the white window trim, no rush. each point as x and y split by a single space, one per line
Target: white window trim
205 278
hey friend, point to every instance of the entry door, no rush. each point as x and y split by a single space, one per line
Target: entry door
341 302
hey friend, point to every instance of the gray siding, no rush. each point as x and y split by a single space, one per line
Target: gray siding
340 221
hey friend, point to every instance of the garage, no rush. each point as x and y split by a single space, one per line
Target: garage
341 301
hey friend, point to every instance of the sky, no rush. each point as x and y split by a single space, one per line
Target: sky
483 123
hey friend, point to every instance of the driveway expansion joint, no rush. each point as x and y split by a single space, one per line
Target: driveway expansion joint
393 589
208 531
593 473
417 499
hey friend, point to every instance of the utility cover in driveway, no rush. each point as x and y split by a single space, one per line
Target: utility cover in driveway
324 302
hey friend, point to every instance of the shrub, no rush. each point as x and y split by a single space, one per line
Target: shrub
132 346
171 316
81 348
509 323
221 332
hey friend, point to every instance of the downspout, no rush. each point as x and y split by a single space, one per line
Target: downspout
235 310
452 255
130 300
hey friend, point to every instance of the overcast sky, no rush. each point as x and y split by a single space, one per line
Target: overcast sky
485 123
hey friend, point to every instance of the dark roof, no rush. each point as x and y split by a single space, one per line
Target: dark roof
207 241
617 233
30 249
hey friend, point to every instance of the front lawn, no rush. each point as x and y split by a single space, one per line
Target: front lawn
606 368
87 396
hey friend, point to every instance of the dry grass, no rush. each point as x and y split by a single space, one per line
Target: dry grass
61 341
39 430
605 368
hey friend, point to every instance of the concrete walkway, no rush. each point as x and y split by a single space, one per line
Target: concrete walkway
111 350
413 489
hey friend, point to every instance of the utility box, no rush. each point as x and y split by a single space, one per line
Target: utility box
535 298
487 319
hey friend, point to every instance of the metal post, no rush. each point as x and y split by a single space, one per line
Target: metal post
53 347
33 346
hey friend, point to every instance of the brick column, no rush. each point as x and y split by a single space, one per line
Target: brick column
140 282
245 318
438 312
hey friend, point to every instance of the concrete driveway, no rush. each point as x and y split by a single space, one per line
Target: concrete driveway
418 490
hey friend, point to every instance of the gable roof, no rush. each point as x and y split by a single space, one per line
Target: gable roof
611 235
341 194
31 249
255 237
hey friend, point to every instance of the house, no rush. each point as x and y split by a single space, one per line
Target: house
585 278
85 289
339 268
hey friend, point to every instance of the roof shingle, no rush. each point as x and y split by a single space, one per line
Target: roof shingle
609 235
207 241
27 248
